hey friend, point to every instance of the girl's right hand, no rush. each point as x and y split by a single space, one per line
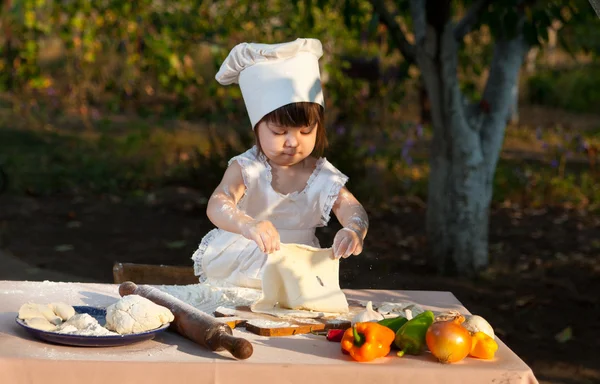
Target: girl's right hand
263 233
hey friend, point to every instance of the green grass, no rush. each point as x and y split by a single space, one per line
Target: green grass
576 90
47 162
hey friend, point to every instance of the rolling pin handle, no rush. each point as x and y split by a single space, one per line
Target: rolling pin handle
238 347
127 288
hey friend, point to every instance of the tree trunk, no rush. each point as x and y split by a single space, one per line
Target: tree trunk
466 144
457 206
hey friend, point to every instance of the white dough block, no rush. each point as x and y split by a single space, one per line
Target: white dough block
304 278
134 314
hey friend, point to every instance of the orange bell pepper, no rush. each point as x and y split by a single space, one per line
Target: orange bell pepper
484 347
367 341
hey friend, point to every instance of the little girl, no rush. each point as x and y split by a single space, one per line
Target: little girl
280 190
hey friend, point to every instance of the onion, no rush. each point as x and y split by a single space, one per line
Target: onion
448 341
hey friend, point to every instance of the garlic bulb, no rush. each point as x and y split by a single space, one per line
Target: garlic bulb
475 323
367 315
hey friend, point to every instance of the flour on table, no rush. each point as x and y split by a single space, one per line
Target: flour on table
11 292
308 321
226 311
208 297
270 324
286 313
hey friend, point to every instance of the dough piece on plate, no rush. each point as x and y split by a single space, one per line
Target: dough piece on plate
62 310
134 313
80 321
300 277
33 310
40 323
84 324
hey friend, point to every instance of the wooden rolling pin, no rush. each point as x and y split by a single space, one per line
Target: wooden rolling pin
193 323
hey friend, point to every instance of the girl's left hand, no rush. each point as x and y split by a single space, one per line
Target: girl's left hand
347 242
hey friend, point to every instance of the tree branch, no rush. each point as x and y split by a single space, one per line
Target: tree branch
426 45
387 19
463 141
419 19
464 26
506 63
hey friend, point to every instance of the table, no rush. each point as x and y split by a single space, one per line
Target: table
170 358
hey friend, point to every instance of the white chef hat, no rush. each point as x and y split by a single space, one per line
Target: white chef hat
273 75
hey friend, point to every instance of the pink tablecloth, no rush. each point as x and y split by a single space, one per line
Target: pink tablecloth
170 358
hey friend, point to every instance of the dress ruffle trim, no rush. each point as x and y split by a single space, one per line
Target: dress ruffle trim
269 175
199 254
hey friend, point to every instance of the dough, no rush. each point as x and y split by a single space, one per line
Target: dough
33 310
40 323
134 313
301 277
84 324
68 329
80 321
62 310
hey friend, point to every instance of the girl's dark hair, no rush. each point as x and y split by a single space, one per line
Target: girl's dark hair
301 114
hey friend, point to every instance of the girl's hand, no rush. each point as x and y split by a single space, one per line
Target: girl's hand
347 242
263 233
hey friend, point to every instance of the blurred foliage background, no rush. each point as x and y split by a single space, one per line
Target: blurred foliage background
119 97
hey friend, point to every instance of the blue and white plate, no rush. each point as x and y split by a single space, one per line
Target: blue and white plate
91 341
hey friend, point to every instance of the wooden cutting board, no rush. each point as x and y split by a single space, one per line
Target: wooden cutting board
268 325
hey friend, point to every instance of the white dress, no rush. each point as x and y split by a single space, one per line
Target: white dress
225 257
